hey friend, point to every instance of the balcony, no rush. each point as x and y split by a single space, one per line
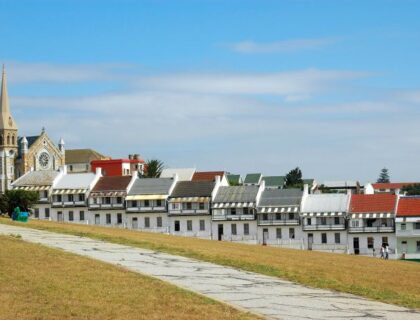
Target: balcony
371 229
189 212
146 209
408 233
278 222
98 206
233 217
323 227
69 204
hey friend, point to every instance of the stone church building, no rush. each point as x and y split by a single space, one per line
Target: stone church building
19 155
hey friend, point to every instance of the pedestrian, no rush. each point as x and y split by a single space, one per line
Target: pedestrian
382 252
386 251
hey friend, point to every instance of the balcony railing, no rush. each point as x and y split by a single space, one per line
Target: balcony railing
69 203
314 227
408 233
188 212
106 205
233 217
146 209
278 222
371 229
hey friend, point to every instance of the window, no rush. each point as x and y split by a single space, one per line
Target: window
291 233
71 168
176 225
278 233
134 204
58 197
71 216
107 200
323 238
189 225
202 225
81 215
81 197
370 243
323 221
119 218
233 211
417 225
384 240
355 223
403 226
45 194
336 220
36 213
158 203
291 216
265 216
175 206
146 222
246 229
309 221
233 229
108 218
245 210
201 205
337 238
47 213
418 246
159 222
70 198
146 203
189 205
119 200
278 216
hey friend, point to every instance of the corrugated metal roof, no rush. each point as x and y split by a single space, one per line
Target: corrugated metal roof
252 178
325 203
36 178
184 174
207 175
274 181
75 181
234 178
281 197
192 189
237 194
144 186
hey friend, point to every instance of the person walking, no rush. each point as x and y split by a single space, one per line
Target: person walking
386 252
382 252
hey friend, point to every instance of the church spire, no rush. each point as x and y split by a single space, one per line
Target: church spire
6 120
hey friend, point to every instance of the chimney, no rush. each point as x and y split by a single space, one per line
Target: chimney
136 156
305 189
63 169
98 171
130 157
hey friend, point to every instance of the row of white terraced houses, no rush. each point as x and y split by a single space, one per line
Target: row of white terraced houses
214 210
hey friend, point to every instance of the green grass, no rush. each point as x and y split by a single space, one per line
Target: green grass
396 282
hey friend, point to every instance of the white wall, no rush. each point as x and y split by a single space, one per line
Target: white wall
195 232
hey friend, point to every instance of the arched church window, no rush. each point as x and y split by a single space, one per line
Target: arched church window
13 140
8 139
1 139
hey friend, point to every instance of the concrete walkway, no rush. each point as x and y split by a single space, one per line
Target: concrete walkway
267 296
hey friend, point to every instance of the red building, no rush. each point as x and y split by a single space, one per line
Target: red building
119 167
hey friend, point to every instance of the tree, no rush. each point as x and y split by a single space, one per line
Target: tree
294 178
17 198
153 168
411 190
383 176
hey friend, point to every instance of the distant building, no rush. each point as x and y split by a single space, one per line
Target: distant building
210 176
119 167
79 160
408 228
234 179
391 187
253 179
183 174
343 186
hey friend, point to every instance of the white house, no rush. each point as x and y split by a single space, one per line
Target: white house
408 228
147 207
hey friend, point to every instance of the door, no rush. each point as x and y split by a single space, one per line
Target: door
134 223
356 245
265 236
97 219
310 241
60 216
220 232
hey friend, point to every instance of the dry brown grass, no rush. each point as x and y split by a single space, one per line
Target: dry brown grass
389 281
37 282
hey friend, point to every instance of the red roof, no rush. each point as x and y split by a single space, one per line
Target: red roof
392 185
408 207
207 175
112 183
372 203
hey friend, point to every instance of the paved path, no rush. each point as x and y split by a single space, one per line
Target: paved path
271 297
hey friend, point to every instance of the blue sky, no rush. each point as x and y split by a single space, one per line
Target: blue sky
330 86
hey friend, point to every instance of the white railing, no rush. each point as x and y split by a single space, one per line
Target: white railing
233 217
408 233
371 229
311 227
280 222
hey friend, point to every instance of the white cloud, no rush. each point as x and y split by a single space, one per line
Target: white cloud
252 47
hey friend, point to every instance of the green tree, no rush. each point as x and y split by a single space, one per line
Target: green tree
17 198
153 168
412 190
294 178
383 176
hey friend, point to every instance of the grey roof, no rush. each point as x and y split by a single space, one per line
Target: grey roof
184 174
36 178
274 181
75 181
237 194
151 186
280 197
340 184
252 178
325 202
193 189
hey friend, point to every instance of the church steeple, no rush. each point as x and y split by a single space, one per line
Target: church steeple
6 119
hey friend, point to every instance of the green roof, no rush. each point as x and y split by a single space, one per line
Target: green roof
234 178
252 178
308 181
274 181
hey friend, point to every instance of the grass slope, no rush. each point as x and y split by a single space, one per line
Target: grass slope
396 282
41 283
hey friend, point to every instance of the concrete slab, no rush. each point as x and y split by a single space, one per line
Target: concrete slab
271 297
